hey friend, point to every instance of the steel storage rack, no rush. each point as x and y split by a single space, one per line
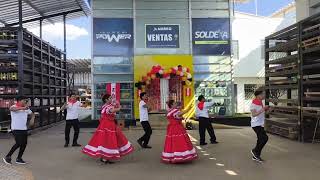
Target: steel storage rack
282 82
31 67
292 71
310 67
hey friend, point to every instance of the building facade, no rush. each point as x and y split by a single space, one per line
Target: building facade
210 72
248 33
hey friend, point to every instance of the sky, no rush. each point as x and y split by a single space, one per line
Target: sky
79 30
265 7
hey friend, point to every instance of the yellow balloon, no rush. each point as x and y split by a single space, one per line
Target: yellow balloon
184 78
188 83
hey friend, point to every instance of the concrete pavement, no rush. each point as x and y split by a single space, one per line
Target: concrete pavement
230 159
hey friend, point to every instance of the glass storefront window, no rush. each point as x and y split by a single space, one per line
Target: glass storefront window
220 68
112 60
211 60
218 92
212 77
126 100
113 69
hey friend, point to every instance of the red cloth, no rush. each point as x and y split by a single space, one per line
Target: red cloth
257 102
19 104
201 105
178 147
108 142
72 101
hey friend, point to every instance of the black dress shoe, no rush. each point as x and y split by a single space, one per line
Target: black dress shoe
76 145
214 142
147 147
106 161
140 142
203 144
66 145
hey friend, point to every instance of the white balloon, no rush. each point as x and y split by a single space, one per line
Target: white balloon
175 68
161 72
184 69
189 76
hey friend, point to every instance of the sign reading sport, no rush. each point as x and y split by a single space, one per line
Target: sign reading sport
162 36
211 36
112 37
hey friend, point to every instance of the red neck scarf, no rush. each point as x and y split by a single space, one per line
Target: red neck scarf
19 104
201 105
257 102
72 101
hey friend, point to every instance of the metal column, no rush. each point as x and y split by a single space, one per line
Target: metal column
20 50
40 33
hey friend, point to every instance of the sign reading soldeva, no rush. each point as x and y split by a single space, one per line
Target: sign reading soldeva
211 36
162 36
112 37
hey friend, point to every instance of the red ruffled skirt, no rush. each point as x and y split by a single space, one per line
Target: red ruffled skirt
108 142
178 147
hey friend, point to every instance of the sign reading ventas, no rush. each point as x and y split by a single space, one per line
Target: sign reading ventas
211 36
162 36
112 37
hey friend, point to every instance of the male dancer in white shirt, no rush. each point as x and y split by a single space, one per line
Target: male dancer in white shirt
144 120
73 108
202 112
19 119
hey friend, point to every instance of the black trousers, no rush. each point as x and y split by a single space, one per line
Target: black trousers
147 132
21 138
75 124
205 124
262 139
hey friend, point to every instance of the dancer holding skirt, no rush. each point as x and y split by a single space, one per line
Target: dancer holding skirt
108 142
178 147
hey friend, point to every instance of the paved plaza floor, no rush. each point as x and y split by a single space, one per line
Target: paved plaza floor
230 159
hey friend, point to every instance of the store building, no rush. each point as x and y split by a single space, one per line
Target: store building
154 45
306 8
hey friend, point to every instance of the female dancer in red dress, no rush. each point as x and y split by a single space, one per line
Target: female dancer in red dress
108 142
178 147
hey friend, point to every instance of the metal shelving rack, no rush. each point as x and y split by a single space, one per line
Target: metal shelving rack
41 70
282 74
292 66
310 67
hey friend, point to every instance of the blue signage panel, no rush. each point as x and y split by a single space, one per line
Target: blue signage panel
211 36
112 37
162 36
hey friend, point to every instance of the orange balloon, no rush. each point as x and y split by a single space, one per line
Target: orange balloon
153 76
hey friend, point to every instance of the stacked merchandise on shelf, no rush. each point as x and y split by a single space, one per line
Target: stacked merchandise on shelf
293 80
38 72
